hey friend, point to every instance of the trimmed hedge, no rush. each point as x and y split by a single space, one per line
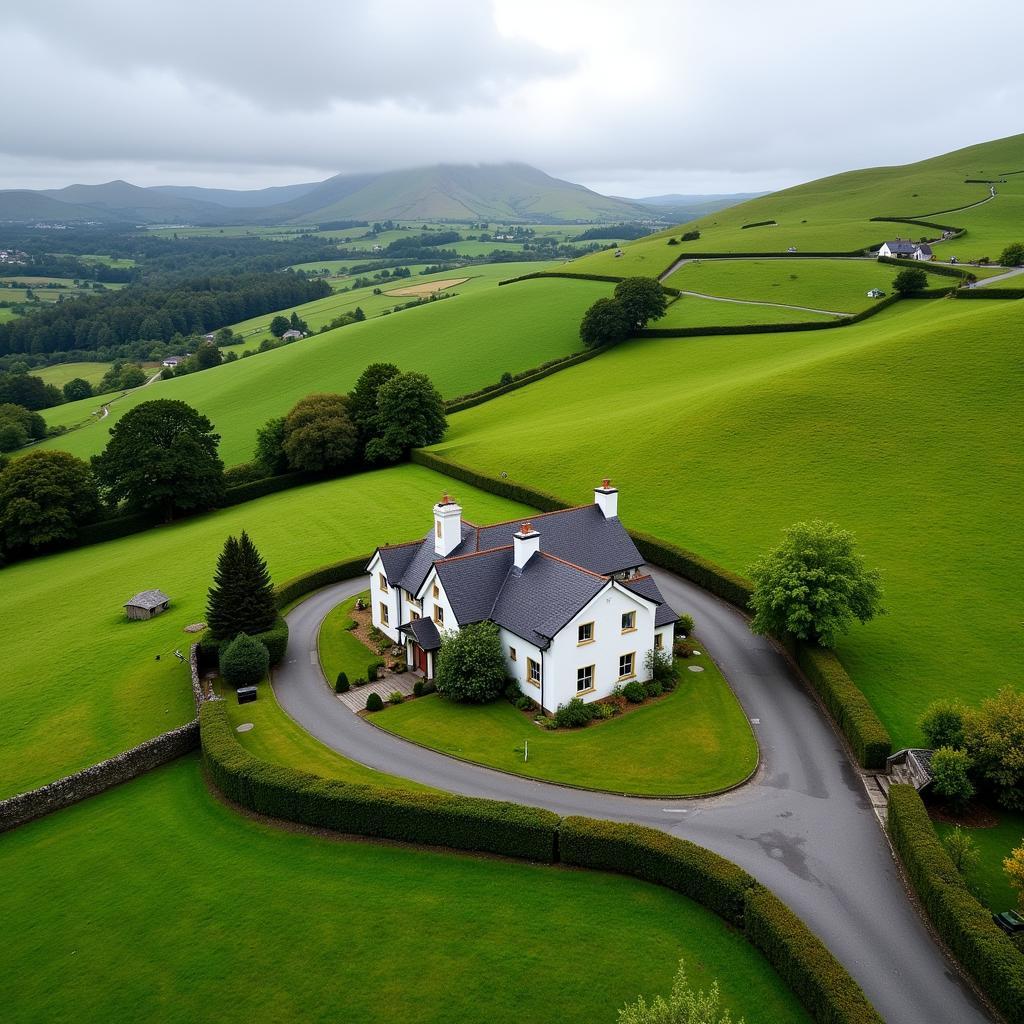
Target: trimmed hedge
847 704
819 980
274 639
297 586
964 924
990 293
925 223
698 332
927 267
433 819
758 224
561 273
655 856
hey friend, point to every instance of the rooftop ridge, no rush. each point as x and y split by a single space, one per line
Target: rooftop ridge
471 554
573 565
404 544
539 515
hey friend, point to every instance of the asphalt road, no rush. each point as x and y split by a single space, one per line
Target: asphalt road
803 826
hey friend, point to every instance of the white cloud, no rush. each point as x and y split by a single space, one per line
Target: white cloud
636 99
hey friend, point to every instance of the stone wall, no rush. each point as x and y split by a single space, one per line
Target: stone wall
16 810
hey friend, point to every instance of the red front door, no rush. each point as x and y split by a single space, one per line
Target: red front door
421 658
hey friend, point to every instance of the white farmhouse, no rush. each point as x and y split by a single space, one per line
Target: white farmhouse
576 612
903 248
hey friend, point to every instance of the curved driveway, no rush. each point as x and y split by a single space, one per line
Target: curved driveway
803 826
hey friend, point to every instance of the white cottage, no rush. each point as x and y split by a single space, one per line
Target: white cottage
576 612
903 248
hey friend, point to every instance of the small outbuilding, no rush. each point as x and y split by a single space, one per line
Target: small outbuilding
875 293
292 335
147 604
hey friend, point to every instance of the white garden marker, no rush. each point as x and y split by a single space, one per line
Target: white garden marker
526 751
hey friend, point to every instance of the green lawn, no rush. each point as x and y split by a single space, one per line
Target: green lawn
81 682
834 285
340 649
61 373
988 879
905 429
694 740
463 343
276 737
154 901
692 311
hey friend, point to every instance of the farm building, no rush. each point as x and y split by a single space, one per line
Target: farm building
292 335
577 613
875 293
173 361
903 248
147 604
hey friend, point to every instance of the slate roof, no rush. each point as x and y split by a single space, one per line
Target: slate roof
424 632
646 587
901 246
147 599
925 248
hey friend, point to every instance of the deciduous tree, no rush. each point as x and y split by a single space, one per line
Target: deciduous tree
76 389
909 281
161 456
319 434
278 325
643 299
471 664
363 399
962 850
606 322
813 585
410 415
270 447
1014 868
943 723
951 775
994 739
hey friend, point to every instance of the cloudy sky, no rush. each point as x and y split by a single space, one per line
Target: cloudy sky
633 99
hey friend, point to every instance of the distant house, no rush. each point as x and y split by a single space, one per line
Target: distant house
792 248
292 335
904 249
210 337
876 293
146 604
173 361
923 252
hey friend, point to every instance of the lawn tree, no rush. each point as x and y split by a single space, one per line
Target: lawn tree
951 776
241 599
471 664
244 661
161 457
1013 866
943 723
76 389
683 1006
994 739
208 355
19 387
813 585
1012 255
18 426
44 498
269 452
279 325
410 415
962 849
606 322
909 281
363 399
643 299
319 434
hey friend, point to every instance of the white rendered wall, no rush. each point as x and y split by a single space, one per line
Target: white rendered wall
378 596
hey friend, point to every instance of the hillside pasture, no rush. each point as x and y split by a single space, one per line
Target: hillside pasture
60 373
693 311
904 428
82 682
229 920
481 336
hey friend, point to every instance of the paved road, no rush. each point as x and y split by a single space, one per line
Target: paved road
803 826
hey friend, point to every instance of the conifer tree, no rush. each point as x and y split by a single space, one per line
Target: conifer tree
241 599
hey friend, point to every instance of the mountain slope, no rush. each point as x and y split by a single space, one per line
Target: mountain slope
23 205
235 198
135 203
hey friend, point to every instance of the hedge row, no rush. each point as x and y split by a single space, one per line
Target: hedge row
930 268
560 273
485 395
297 586
819 980
758 224
965 925
657 857
847 704
699 332
433 819
776 254
925 223
990 293
865 733
274 639
466 823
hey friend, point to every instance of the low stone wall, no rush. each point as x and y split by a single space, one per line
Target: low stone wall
17 810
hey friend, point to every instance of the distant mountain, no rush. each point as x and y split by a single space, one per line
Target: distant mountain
458 192
682 208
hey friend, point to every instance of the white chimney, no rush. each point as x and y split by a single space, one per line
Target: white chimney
606 498
526 545
447 527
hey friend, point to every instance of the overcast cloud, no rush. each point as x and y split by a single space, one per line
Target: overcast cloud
630 98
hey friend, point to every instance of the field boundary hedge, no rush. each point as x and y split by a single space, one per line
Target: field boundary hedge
989 293
533 275
823 671
169 746
827 991
927 267
966 927
925 223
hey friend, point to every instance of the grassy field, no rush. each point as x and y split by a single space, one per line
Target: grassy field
6 314
81 682
61 373
341 650
834 214
693 311
988 879
835 285
694 740
904 429
482 335
223 919
277 738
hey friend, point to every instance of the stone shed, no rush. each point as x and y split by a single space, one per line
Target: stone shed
146 604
